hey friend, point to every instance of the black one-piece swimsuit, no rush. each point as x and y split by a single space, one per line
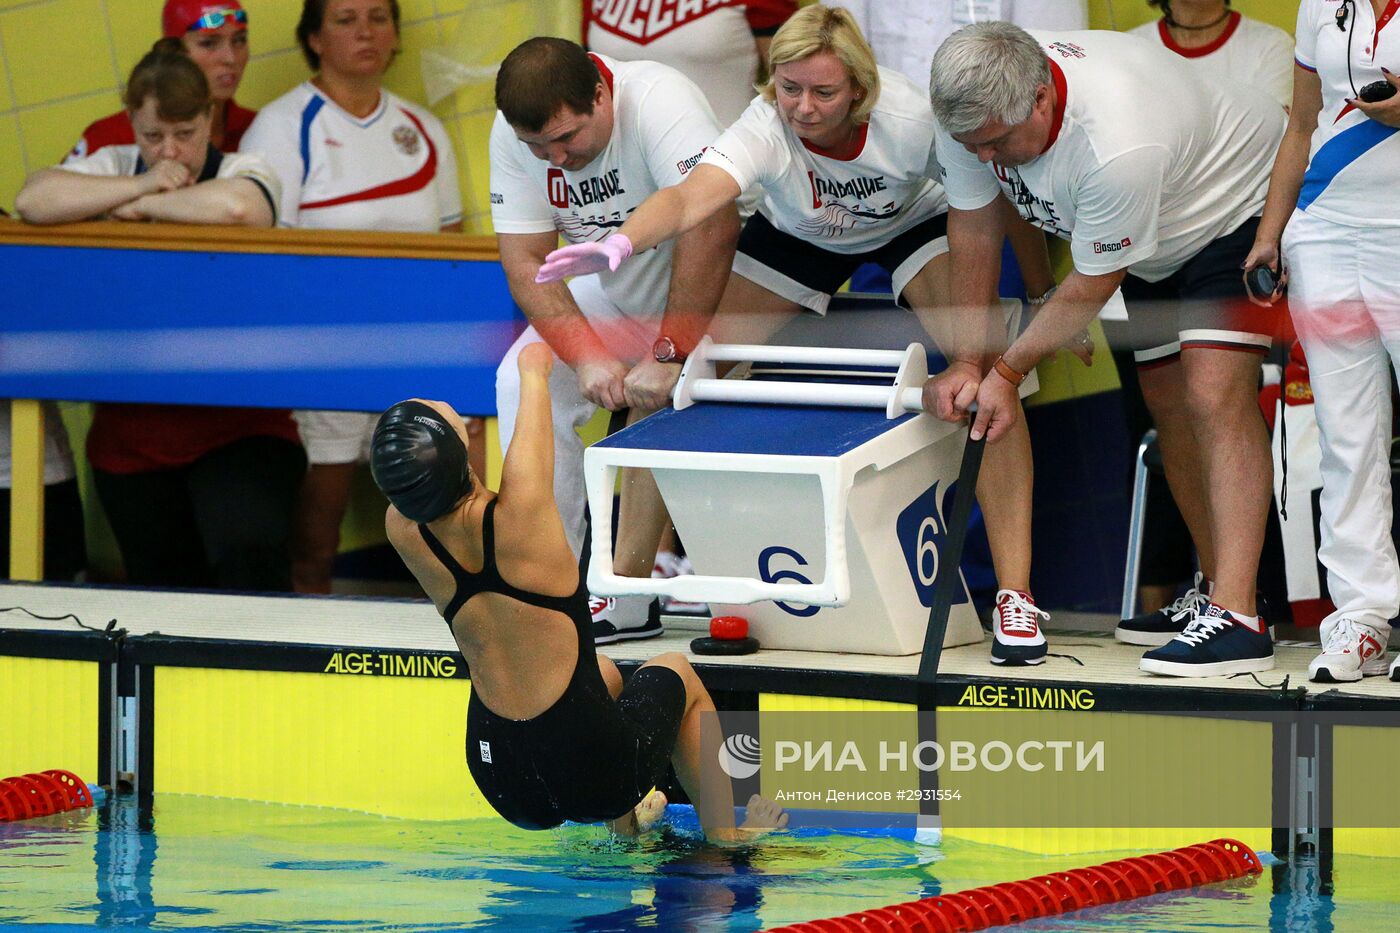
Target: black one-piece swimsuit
588 757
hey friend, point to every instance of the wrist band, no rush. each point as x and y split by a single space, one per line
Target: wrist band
1005 371
1037 302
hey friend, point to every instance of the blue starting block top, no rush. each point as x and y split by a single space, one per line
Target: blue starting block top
731 428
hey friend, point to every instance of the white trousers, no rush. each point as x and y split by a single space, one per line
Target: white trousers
1344 294
629 338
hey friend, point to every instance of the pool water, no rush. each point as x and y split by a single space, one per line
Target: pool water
211 864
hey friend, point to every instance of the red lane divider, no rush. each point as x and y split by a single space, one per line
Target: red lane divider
1046 895
30 795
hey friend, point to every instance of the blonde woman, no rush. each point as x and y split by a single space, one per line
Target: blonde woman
843 152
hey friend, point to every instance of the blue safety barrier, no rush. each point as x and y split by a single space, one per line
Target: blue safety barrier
255 329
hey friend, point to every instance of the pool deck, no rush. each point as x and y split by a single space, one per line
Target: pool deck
299 633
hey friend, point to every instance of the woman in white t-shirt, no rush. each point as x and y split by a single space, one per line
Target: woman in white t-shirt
844 154
351 155
211 503
1225 45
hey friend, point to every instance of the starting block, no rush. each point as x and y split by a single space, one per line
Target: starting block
819 507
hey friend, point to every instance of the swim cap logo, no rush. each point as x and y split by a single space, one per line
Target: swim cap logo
430 424
740 756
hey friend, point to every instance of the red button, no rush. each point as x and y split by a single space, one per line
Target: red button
729 628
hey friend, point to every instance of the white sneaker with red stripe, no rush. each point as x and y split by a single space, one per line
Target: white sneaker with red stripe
1352 650
1016 636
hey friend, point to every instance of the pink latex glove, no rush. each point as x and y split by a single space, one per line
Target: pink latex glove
585 258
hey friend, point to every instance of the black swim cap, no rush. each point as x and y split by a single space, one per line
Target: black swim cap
419 461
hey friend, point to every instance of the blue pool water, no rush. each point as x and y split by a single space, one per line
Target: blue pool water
208 864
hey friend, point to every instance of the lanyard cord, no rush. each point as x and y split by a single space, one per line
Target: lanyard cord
1342 24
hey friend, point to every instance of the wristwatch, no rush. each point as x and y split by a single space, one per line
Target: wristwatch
665 351
1013 376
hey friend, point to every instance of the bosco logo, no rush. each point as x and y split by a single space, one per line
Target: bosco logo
768 575
922 529
557 187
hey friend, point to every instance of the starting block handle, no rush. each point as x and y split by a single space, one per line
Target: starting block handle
828 356
797 393
698 382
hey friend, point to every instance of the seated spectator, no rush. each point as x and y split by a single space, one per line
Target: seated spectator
193 500
350 155
215 34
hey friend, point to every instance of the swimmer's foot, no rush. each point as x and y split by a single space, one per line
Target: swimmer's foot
643 816
762 815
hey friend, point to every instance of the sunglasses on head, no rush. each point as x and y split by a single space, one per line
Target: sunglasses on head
217 18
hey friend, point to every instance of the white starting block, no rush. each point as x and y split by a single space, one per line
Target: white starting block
818 507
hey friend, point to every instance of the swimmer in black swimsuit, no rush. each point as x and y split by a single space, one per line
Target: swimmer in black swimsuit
552 735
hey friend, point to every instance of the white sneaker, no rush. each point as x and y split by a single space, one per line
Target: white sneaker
623 618
674 565
1351 651
1016 636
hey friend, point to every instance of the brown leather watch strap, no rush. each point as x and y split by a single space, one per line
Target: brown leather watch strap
1004 370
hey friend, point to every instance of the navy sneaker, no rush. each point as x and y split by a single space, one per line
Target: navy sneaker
1162 625
1212 644
624 618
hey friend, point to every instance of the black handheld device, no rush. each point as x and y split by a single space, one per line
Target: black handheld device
1376 91
1261 282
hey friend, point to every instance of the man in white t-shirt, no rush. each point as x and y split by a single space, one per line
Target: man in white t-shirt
1157 179
579 142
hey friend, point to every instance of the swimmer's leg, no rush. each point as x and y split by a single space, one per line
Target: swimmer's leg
695 758
611 676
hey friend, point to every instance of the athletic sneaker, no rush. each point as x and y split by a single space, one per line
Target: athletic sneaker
1214 642
1016 636
624 618
675 565
1352 650
1162 625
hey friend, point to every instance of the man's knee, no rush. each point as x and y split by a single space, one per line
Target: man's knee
1224 391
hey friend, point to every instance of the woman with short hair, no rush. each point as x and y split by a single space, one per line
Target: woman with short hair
843 151
195 496
215 35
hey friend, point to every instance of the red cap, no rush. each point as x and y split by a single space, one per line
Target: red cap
182 16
